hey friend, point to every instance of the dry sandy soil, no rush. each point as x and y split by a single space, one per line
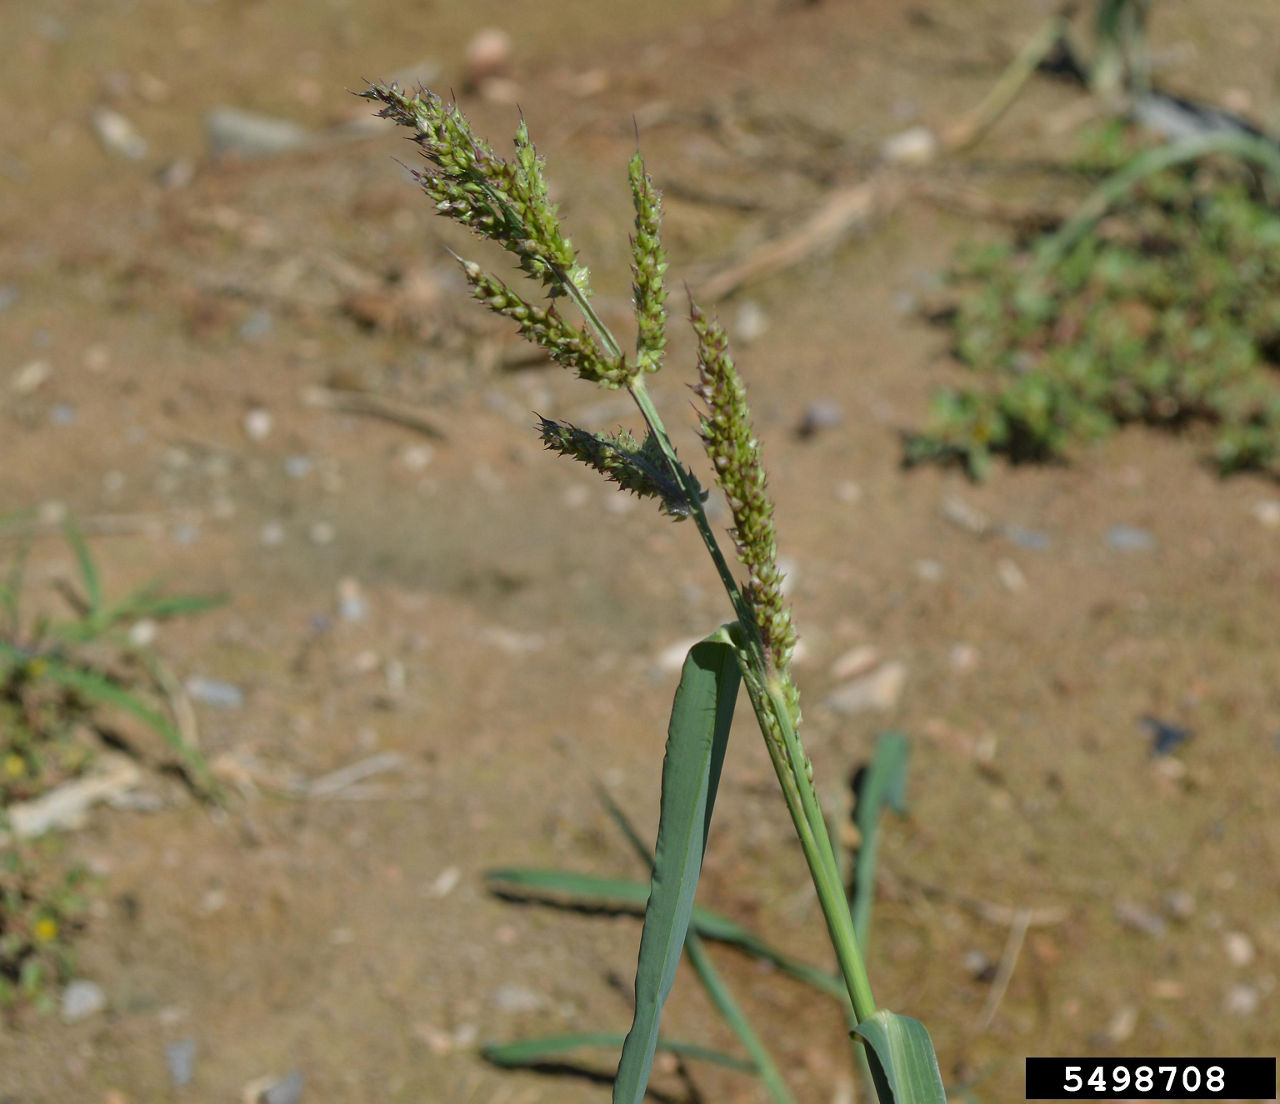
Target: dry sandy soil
506 614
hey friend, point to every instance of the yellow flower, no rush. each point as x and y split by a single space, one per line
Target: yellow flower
14 765
46 929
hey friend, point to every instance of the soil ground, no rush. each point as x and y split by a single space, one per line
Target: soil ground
515 610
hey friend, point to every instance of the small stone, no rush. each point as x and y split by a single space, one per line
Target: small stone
258 325
30 377
1169 989
142 634
1135 916
518 999
1010 574
1129 538
9 294
62 414
979 966
287 1090
488 55
82 999
1267 512
117 135
417 458
271 535
1031 539
113 482
1239 948
966 517
321 533
848 492
1241 1000
352 605
297 467
230 130
879 690
822 414
1122 1025
915 146
928 571
445 882
1180 904
214 692
962 657
180 1057
257 423
176 173
856 661
749 322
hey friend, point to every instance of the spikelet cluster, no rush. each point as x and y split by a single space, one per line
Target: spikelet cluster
641 469
502 201
648 264
735 453
544 326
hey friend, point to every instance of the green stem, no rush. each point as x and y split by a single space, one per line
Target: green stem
792 767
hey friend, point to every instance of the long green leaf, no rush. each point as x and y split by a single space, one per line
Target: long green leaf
883 784
531 1052
587 891
696 741
88 569
903 1064
716 987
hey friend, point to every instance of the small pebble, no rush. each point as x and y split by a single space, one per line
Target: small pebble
856 661
848 492
258 325
517 999
180 1056
749 322
1129 538
257 423
1239 948
1140 919
488 55
186 532
819 415
142 633
417 457
117 135
929 571
30 377
915 146
1180 904
1031 539
1122 1025
271 535
879 690
962 657
230 130
288 1090
113 481
352 605
298 467
9 295
966 517
1010 574
82 999
1242 1000
445 882
214 692
321 532
1267 512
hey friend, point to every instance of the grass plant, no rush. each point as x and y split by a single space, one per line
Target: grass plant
58 675
1154 303
505 201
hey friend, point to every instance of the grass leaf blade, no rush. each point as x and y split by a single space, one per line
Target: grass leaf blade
883 784
529 1052
88 569
696 741
593 891
903 1064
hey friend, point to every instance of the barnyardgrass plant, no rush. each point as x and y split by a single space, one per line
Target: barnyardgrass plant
506 201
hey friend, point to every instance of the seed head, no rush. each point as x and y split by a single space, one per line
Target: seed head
735 454
648 263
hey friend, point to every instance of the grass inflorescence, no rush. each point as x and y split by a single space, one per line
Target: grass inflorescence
507 202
